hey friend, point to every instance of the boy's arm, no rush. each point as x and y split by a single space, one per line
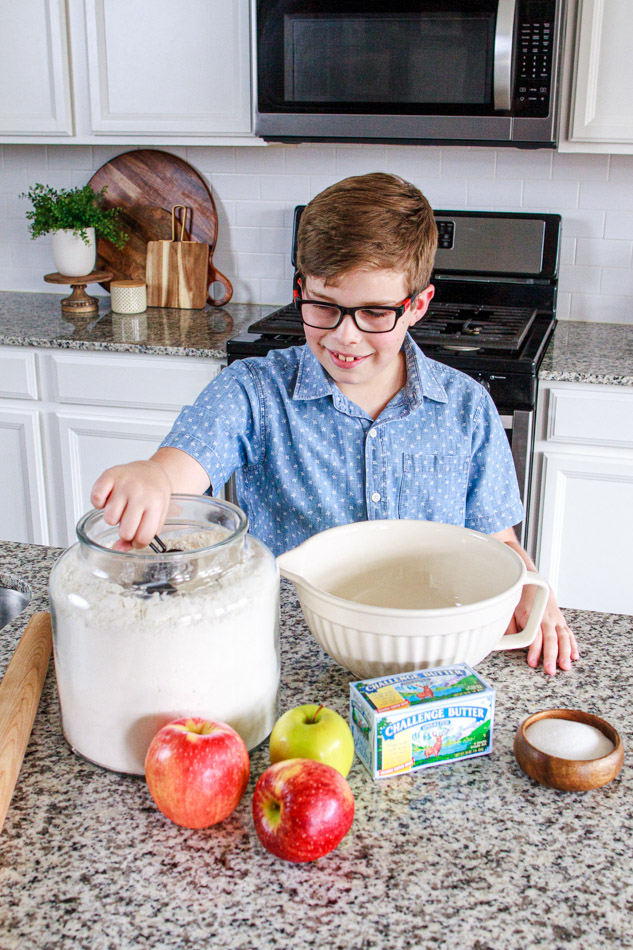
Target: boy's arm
555 640
136 496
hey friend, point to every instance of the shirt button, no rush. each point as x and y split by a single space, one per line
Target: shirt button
372 433
375 496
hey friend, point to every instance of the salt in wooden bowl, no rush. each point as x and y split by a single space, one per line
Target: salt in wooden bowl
568 774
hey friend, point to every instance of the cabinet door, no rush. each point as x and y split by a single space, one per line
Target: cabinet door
169 68
584 547
22 498
34 70
90 443
602 106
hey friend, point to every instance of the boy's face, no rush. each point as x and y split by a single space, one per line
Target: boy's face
376 366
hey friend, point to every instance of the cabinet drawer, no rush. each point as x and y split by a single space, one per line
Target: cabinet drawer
143 383
18 376
591 418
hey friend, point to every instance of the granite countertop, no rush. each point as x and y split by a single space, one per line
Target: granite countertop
36 320
472 855
590 353
579 352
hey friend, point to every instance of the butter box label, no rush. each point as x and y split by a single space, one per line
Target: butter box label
415 720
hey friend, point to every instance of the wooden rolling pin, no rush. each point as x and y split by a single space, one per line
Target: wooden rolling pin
20 691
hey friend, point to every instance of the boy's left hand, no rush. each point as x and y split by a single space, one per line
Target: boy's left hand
554 641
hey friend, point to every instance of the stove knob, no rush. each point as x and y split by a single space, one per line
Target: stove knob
485 382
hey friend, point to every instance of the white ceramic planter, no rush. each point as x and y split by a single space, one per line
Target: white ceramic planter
72 257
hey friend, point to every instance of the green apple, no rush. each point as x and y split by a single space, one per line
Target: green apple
313 732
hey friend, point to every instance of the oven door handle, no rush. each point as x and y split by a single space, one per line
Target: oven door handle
503 55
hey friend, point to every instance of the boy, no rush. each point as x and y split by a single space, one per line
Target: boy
355 424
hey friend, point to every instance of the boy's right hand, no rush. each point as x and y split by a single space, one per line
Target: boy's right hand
136 497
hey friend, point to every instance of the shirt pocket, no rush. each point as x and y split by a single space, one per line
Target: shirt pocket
434 488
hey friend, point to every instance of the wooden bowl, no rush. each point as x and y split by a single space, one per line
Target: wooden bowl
568 775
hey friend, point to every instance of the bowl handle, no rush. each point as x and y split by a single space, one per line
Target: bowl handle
525 637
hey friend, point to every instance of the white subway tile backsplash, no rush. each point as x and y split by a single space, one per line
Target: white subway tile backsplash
212 161
444 193
580 167
409 162
260 161
601 308
276 292
256 189
515 163
619 224
583 223
245 239
580 280
607 196
617 280
487 194
621 169
286 187
276 240
78 157
603 253
468 162
239 187
260 214
544 195
310 160
360 160
261 265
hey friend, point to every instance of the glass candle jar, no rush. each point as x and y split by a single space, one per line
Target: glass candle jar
141 638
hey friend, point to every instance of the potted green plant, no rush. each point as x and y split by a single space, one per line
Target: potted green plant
74 217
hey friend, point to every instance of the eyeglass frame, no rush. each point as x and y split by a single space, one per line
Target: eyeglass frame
398 309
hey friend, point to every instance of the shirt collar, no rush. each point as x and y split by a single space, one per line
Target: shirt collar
314 383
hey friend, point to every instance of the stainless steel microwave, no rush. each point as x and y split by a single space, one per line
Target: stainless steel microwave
469 72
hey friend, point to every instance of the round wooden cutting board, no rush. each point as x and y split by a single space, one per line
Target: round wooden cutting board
145 185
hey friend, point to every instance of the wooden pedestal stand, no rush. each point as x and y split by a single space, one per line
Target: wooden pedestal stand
79 302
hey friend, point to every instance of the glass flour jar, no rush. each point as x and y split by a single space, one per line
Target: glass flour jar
142 638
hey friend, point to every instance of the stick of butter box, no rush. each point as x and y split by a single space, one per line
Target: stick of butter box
412 721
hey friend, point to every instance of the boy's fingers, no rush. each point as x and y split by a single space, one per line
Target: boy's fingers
564 647
534 650
149 525
129 522
101 489
550 650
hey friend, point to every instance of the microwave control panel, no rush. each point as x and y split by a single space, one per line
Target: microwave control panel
535 45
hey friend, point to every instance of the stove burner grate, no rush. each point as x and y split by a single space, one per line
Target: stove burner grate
474 326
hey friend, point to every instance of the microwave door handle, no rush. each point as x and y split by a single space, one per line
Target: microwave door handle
502 71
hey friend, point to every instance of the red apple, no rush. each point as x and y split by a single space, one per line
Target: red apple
196 771
302 809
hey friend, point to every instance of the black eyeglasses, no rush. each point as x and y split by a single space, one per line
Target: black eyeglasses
327 316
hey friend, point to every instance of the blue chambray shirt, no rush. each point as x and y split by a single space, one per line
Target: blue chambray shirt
307 458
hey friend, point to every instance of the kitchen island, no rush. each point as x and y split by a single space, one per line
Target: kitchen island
472 855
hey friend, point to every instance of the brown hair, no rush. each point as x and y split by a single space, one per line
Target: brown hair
368 221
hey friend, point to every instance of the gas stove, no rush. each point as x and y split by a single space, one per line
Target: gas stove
492 316
494 308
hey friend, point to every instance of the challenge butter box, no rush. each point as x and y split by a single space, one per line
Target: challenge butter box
412 721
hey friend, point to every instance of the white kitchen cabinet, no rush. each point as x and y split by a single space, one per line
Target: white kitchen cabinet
34 69
108 71
22 499
598 77
67 415
583 483
91 442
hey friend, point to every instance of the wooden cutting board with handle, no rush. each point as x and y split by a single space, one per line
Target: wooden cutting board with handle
146 184
177 270
19 697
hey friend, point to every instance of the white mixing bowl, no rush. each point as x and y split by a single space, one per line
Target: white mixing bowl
385 597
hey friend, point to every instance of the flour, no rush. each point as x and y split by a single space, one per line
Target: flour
127 662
